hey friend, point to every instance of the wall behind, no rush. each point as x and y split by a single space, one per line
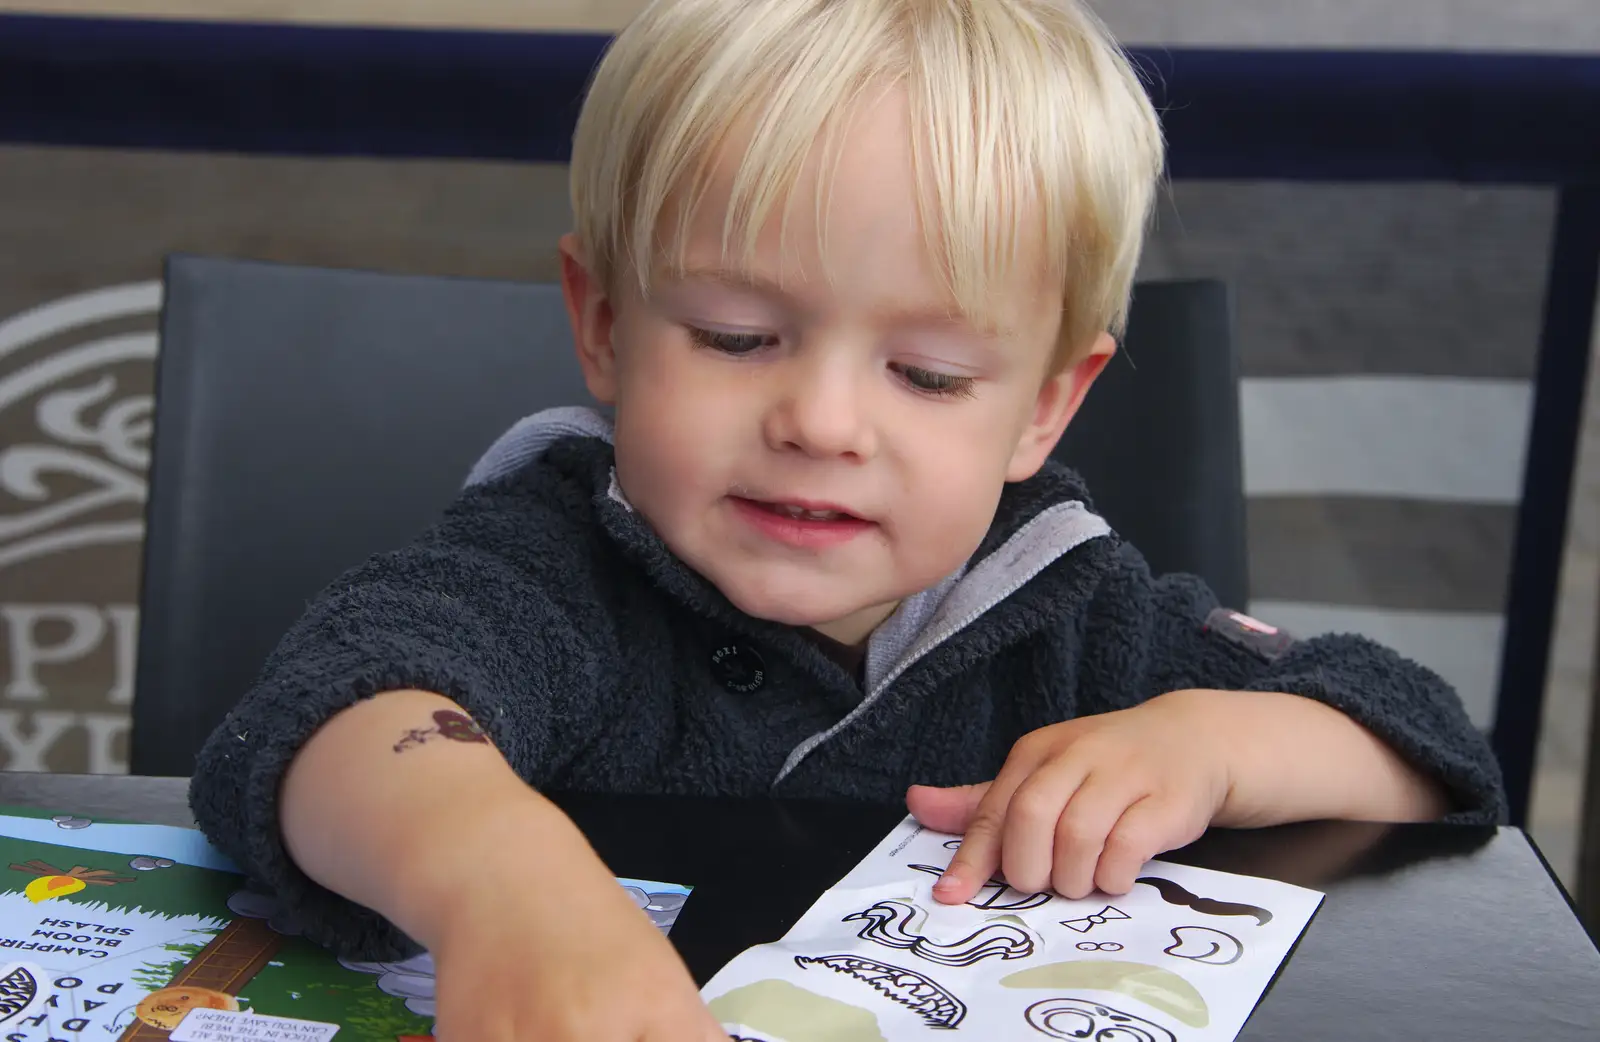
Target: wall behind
1541 25
1429 294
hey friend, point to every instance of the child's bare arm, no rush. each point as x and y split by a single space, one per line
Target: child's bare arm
400 803
383 807
1297 759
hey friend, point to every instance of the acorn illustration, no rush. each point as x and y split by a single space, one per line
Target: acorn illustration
458 727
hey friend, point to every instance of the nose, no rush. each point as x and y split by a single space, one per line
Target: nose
821 408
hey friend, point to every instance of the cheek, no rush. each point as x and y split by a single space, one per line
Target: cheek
668 429
956 485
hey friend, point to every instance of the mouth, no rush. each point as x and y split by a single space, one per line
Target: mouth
802 510
805 524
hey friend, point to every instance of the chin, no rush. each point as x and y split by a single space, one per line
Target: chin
787 612
790 608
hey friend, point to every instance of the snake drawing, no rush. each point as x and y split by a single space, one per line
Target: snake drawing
936 1006
888 923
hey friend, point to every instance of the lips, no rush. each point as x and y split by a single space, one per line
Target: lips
807 524
805 512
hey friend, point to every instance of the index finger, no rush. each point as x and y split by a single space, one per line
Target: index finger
978 858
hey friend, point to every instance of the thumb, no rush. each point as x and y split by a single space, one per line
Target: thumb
945 810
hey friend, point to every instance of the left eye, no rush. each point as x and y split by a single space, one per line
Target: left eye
728 343
941 384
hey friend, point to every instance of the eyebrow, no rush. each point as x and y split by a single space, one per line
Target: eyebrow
749 281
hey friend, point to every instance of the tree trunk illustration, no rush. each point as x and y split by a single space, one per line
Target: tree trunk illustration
222 968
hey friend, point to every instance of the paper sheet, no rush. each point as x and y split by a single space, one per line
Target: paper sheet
114 932
1183 957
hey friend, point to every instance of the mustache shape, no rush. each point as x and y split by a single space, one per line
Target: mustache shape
1174 894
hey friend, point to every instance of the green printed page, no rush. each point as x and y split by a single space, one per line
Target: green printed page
115 932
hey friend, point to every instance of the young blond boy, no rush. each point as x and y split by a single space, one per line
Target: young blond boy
845 269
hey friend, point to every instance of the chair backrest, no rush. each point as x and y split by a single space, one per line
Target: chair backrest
307 418
1158 438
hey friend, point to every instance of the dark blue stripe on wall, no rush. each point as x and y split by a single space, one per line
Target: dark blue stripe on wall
1569 312
291 89
1323 115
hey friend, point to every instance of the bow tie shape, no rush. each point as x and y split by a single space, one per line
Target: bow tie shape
1089 922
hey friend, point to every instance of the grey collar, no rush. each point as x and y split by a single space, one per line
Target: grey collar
921 623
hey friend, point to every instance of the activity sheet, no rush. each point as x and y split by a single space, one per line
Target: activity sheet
1183 957
145 933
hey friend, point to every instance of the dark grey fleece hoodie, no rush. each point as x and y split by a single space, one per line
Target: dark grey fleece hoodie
597 661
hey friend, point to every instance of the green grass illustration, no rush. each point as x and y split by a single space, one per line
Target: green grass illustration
309 984
300 981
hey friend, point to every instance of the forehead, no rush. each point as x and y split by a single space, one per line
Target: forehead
855 215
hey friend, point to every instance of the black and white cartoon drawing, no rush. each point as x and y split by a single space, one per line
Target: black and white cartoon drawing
1081 1019
996 895
1158 988
1100 918
890 923
1060 959
1174 894
937 1007
1203 944
18 989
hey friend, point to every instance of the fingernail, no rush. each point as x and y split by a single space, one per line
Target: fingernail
946 883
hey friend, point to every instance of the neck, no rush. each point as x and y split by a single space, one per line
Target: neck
854 629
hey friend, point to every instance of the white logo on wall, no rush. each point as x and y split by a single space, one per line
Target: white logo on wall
88 461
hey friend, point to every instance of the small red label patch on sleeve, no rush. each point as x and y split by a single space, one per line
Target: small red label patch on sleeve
1252 624
1239 629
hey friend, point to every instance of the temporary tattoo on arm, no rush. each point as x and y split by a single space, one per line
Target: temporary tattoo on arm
447 723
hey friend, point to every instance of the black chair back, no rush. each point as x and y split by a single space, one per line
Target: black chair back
1158 438
307 418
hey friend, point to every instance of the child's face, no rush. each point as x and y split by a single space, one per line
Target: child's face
743 396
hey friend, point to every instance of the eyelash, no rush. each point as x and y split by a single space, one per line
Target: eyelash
940 385
924 381
728 343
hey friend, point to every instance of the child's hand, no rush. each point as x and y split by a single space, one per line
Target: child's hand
1084 804
578 962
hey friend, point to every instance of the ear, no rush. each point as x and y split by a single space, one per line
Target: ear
590 311
1057 403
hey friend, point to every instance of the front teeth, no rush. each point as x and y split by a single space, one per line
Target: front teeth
809 515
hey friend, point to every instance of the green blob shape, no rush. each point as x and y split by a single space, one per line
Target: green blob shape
1155 987
792 1013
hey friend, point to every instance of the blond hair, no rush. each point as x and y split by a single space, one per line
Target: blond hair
1027 112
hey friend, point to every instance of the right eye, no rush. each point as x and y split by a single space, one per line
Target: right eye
729 343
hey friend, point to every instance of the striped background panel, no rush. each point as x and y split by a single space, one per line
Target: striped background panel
1387 337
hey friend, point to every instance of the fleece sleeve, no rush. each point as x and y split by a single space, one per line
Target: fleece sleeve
462 612
1150 635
